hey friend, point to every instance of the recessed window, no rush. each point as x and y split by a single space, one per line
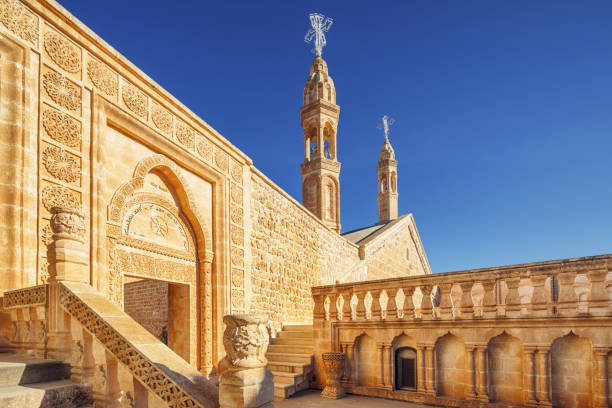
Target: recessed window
405 368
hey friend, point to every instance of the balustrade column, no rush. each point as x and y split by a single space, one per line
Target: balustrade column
529 370
318 312
346 307
360 310
601 381
445 301
141 394
408 304
375 308
431 370
542 376
40 331
513 303
489 302
598 303
392 305
472 372
483 390
426 306
467 304
420 365
390 366
567 296
29 342
113 394
333 308
82 361
539 300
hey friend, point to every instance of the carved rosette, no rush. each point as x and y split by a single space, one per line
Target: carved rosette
221 160
334 369
61 164
236 194
161 118
62 128
63 52
57 196
102 77
185 134
19 20
135 100
205 149
246 340
62 91
68 223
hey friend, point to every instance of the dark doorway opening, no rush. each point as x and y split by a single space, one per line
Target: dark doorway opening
405 369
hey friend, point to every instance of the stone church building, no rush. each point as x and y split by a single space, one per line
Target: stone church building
130 227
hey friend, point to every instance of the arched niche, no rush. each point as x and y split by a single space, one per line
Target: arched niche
451 372
505 360
367 368
405 365
155 233
571 359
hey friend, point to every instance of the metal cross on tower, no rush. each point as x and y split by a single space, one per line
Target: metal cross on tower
386 122
320 24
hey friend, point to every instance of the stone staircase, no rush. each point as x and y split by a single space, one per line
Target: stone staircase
290 359
37 383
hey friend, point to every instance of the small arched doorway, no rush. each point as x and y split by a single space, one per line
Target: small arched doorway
406 368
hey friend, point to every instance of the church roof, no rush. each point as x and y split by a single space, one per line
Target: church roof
357 236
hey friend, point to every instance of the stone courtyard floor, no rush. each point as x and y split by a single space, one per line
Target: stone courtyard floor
312 399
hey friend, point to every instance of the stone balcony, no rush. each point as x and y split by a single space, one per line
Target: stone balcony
536 334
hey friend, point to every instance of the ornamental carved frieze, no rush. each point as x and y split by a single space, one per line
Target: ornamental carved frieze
221 160
65 54
62 91
236 194
161 118
135 100
102 77
237 235
185 134
237 278
62 128
246 340
205 149
44 271
237 257
236 171
32 296
138 264
61 164
19 20
236 214
58 196
46 235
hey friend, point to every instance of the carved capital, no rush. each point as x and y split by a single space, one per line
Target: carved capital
68 223
246 340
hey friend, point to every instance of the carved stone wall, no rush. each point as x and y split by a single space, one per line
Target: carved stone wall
291 252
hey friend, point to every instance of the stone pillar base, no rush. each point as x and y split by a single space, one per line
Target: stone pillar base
246 388
334 368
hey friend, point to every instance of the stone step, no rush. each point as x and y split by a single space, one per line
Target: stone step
283 367
289 358
288 378
290 349
298 327
292 342
17 369
306 336
51 394
284 391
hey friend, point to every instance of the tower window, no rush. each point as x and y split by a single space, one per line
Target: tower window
326 150
313 148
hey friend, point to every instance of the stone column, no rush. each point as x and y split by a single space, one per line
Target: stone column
529 368
391 305
426 306
471 383
334 369
207 313
352 365
408 304
489 302
380 350
542 376
344 349
68 261
360 310
513 303
483 392
420 368
601 379
431 370
390 366
445 301
375 308
246 382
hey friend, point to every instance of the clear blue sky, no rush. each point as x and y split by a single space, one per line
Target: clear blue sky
503 108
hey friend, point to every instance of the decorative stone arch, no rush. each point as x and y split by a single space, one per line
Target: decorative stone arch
130 194
404 373
366 371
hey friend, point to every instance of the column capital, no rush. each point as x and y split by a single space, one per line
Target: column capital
602 351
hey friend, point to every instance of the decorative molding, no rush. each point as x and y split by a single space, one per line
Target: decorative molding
143 265
205 149
62 128
222 160
148 373
28 297
58 196
185 134
102 77
135 100
65 54
18 19
162 118
61 165
62 91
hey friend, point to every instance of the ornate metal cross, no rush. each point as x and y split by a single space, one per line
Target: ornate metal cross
320 24
386 122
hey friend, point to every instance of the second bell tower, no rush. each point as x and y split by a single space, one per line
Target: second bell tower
321 169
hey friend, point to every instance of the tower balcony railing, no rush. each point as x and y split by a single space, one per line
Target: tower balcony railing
546 314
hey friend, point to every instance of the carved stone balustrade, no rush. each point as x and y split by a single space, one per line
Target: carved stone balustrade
246 382
502 336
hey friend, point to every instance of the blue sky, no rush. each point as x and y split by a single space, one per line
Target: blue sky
503 108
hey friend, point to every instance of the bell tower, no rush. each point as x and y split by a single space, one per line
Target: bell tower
321 169
387 178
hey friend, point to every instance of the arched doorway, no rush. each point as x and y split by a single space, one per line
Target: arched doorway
406 368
